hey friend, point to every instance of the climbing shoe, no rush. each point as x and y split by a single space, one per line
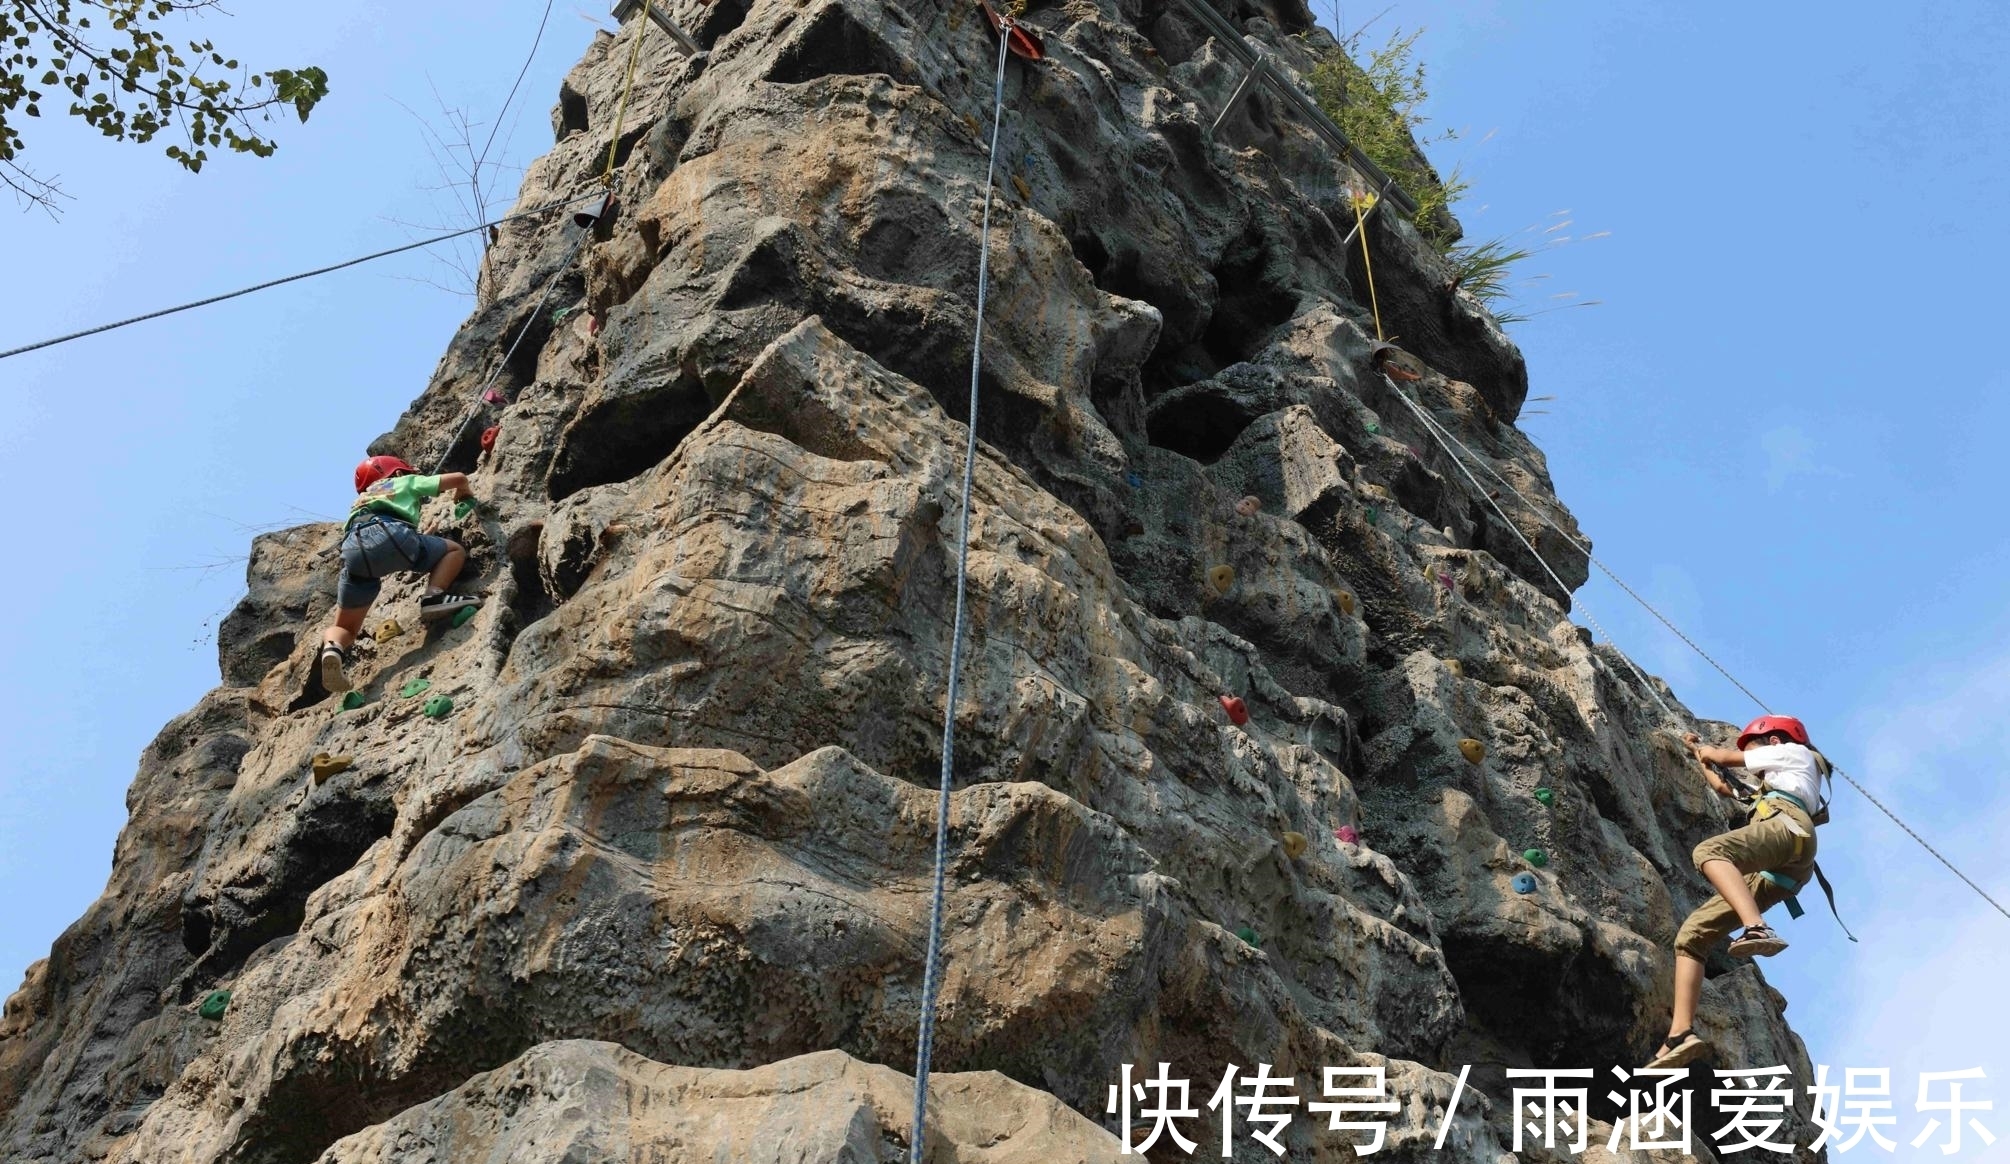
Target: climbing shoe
1757 942
1681 1049
441 606
333 659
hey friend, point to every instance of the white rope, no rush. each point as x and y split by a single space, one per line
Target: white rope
1446 439
931 981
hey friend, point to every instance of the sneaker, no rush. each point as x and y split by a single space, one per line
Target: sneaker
333 659
1758 942
441 606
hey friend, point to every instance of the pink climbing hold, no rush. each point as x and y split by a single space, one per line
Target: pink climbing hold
1346 835
1237 713
1445 580
492 396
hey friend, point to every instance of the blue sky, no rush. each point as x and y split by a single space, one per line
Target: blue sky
1776 422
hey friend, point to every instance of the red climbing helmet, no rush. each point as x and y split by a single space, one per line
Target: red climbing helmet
375 469
1766 725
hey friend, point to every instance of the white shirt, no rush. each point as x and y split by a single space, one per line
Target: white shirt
1788 768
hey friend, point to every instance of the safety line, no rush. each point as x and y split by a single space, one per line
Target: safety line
76 335
474 408
1368 264
627 87
1442 434
1430 425
931 980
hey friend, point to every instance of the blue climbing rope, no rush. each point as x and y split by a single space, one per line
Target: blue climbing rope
931 981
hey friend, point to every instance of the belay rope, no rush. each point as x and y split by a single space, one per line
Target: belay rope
1446 440
931 981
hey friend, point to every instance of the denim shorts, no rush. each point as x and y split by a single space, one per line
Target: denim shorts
378 546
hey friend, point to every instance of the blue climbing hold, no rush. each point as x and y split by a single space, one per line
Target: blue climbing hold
1136 481
1524 883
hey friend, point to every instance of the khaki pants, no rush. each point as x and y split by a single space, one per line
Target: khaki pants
1767 844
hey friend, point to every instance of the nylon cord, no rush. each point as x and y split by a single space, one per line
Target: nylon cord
91 331
932 977
1443 435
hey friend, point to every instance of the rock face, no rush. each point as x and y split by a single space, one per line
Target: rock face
684 806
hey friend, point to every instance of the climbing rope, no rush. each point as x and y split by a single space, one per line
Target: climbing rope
931 981
627 87
474 407
91 331
1446 440
1368 264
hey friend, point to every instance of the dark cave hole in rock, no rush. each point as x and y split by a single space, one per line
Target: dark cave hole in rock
721 18
1252 304
1559 1007
623 437
572 112
1203 426
331 830
531 600
834 43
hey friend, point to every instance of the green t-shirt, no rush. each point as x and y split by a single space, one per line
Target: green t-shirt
401 497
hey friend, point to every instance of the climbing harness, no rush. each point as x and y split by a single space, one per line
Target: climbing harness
932 974
426 242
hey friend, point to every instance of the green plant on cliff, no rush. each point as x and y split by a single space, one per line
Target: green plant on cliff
115 64
1375 102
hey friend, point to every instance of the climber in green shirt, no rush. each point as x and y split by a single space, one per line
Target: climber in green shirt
383 538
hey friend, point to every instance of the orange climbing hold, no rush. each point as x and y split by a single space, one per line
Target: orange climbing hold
1473 750
325 765
1221 579
1238 714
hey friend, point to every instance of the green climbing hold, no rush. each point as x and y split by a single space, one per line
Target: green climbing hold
464 507
215 1004
1249 937
1545 795
1373 428
353 700
438 706
1373 514
414 687
1535 857
465 615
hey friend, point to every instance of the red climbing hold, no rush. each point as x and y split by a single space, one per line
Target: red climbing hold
1237 713
1024 43
1346 835
489 437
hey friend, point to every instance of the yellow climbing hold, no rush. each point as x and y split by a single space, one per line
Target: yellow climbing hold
389 630
326 765
1473 750
1221 579
1344 601
1294 845
1455 667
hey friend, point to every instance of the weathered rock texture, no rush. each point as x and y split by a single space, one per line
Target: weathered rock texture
684 803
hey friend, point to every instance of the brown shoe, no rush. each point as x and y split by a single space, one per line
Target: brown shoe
1758 942
1681 1049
